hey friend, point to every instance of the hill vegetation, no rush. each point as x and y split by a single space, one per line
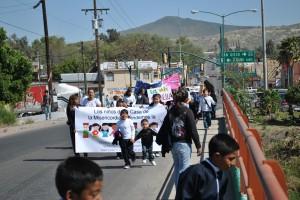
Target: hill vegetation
206 34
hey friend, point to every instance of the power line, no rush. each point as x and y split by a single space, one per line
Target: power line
20 28
121 16
67 22
15 5
14 11
126 14
115 21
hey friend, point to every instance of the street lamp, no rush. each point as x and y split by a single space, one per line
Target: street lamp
222 34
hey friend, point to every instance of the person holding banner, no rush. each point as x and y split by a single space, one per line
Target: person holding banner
157 104
126 127
129 98
72 105
91 101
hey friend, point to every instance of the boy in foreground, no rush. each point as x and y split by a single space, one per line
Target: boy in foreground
206 180
78 178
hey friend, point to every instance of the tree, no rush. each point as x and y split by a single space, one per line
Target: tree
289 52
293 95
113 35
71 65
270 102
271 49
20 44
15 72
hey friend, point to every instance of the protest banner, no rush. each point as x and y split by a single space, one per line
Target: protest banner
164 91
95 127
172 81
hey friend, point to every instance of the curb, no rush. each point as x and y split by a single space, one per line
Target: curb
167 186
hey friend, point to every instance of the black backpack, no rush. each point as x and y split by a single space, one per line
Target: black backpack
177 123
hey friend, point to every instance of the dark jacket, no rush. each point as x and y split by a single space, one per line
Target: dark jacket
165 137
143 99
147 136
71 117
198 182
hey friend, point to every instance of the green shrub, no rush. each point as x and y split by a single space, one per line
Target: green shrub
7 116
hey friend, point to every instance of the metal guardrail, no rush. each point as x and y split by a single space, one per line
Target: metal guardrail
260 178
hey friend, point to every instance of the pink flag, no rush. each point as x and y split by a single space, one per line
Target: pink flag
172 81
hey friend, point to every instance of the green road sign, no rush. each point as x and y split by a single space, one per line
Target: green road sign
239 56
248 74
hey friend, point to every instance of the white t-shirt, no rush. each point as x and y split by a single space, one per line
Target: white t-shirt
129 100
126 127
91 103
203 105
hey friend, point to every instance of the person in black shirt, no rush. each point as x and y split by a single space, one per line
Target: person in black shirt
207 180
147 141
72 105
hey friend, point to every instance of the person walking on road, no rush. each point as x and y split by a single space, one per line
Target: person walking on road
142 98
205 107
207 180
157 104
90 100
47 101
126 127
180 127
211 92
129 98
72 105
147 141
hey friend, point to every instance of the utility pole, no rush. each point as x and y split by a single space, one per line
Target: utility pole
96 25
49 71
263 32
84 72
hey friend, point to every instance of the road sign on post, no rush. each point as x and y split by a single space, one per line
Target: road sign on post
239 56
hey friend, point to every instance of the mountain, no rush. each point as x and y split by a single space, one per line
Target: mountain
207 34
173 27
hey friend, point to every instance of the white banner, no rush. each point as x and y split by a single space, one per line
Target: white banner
95 127
164 91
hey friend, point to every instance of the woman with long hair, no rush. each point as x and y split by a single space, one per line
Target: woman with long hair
72 105
178 131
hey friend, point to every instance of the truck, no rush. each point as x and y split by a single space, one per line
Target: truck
32 101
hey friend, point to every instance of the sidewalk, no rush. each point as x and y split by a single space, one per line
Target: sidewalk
33 122
205 136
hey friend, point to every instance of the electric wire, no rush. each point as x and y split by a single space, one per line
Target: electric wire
120 15
20 28
124 11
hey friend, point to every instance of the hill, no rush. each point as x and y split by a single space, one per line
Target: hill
173 27
207 34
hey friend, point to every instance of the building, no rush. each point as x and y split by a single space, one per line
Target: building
116 76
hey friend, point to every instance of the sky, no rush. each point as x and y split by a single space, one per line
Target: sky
65 18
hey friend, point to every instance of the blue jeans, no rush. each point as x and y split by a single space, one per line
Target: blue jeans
47 111
147 150
181 152
206 119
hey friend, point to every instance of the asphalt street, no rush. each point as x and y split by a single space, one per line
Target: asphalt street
28 162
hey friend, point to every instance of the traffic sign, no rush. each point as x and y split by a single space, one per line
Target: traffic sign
249 74
239 56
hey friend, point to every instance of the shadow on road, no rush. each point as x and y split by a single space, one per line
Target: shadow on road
58 147
44 160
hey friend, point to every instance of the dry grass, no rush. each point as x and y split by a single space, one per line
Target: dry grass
282 143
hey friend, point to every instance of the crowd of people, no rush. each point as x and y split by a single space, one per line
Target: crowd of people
176 134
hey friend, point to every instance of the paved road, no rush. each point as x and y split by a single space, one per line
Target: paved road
28 162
